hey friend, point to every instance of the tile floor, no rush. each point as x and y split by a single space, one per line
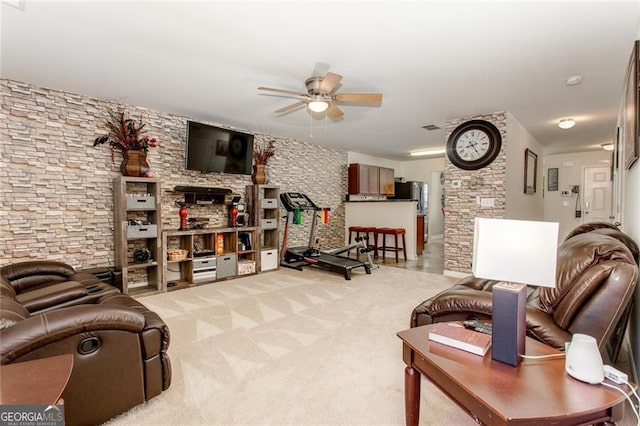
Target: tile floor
431 259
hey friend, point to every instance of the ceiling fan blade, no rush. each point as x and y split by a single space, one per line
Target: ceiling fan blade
329 82
291 107
334 111
290 92
358 97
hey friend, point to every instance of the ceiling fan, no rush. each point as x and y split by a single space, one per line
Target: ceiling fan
321 96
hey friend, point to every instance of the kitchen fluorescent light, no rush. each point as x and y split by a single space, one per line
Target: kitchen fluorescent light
427 152
607 146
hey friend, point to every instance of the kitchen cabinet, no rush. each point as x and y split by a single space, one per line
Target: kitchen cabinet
366 179
420 241
387 181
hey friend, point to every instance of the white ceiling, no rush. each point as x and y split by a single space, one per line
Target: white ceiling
432 60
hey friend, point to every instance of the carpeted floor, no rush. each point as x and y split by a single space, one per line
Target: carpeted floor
293 348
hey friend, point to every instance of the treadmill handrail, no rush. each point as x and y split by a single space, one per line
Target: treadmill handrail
293 201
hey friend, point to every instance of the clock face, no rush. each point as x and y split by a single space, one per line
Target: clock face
474 144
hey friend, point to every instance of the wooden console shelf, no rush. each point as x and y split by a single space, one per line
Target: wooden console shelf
212 255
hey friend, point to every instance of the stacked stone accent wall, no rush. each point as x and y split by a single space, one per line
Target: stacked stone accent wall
461 206
57 188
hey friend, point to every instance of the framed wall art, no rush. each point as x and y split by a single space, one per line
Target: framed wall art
631 117
530 171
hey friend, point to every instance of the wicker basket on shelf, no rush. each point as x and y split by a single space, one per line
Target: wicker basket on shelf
177 254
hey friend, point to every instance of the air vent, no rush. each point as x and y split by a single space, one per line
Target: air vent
430 127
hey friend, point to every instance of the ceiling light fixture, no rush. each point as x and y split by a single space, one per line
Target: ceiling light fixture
574 80
607 146
318 106
566 123
427 152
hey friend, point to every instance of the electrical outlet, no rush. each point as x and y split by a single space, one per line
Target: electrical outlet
487 202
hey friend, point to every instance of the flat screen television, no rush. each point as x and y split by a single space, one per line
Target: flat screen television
214 149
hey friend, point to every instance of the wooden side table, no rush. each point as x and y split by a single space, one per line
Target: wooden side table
37 382
538 391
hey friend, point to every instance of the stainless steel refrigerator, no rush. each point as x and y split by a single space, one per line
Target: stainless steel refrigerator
419 191
413 190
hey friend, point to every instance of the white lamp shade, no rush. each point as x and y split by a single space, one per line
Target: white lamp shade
517 251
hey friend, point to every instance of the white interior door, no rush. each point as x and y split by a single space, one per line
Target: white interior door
597 195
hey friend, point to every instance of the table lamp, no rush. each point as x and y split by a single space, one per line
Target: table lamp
519 252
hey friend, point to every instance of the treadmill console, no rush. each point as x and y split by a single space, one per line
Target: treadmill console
297 201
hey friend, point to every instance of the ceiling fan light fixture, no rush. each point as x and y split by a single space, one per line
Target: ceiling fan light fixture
318 106
566 123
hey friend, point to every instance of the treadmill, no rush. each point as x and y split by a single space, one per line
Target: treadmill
298 257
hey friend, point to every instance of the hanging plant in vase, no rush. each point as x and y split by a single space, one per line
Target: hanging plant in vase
262 152
129 138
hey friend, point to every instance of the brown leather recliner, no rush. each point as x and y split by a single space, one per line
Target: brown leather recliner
596 278
119 346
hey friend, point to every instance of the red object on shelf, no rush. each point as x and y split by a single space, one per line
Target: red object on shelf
183 218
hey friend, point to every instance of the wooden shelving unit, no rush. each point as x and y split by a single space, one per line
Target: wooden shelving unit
264 211
138 228
212 255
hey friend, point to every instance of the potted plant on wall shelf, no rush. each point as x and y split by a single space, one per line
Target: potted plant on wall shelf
262 152
129 138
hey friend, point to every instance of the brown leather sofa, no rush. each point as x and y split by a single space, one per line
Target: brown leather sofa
596 276
119 346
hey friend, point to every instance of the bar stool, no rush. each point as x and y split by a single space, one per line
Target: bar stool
395 232
365 231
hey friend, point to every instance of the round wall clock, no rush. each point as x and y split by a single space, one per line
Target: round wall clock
474 144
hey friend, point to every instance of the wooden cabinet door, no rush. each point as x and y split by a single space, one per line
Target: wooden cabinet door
387 183
363 179
420 234
373 178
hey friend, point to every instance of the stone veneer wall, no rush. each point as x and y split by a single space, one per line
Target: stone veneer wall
461 207
57 189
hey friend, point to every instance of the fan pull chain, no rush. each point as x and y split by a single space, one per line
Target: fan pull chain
326 123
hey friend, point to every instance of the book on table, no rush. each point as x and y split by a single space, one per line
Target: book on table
455 334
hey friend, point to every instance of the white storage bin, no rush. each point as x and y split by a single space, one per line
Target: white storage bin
269 259
269 203
204 263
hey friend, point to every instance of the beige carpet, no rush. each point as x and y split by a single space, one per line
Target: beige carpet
292 348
